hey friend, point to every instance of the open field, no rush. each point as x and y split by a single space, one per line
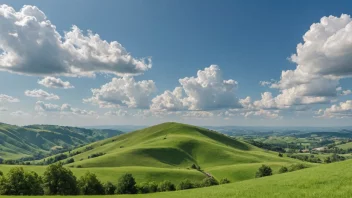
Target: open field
332 180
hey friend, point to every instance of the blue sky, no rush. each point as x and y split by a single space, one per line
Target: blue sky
248 41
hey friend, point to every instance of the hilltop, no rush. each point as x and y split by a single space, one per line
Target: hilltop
18 142
176 146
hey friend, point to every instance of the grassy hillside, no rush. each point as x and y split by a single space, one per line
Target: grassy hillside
17 142
325 181
178 146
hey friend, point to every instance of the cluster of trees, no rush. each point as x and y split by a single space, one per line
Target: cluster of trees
58 180
272 147
334 158
307 158
293 167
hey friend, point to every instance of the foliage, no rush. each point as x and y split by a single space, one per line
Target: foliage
109 188
59 181
185 184
224 181
166 186
19 182
90 185
264 171
147 187
126 184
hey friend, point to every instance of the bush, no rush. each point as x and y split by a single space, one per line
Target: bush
59 181
126 185
109 188
147 187
166 186
264 171
185 184
19 182
224 181
69 161
280 155
283 169
209 181
90 185
95 155
295 167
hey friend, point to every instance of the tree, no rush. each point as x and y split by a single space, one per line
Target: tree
185 184
283 169
264 171
280 155
147 187
59 181
224 181
90 185
109 188
19 182
126 184
69 161
209 181
166 186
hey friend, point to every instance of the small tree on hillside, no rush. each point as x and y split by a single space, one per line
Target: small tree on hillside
209 181
59 180
185 184
264 171
90 185
224 181
126 185
283 169
109 188
166 186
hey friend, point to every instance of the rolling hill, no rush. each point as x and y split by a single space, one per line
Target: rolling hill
17 142
171 147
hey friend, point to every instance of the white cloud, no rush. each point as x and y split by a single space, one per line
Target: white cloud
341 110
41 94
3 109
119 113
123 91
322 60
52 82
20 114
7 98
41 106
197 114
267 114
207 91
31 45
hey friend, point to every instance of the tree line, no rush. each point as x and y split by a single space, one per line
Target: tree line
58 180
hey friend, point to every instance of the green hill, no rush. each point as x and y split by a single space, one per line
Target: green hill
17 142
175 146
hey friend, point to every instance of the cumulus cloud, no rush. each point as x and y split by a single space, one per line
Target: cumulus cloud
42 107
3 109
263 114
7 98
31 45
52 82
207 91
19 114
119 113
322 60
66 108
341 110
123 91
41 94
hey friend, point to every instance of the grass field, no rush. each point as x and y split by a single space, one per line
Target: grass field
330 181
345 146
174 146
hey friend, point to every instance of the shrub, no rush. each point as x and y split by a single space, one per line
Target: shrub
90 185
147 187
166 186
209 181
295 167
109 188
224 181
95 155
126 185
283 169
185 184
69 161
19 182
264 171
280 155
59 181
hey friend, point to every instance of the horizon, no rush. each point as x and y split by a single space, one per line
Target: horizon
257 64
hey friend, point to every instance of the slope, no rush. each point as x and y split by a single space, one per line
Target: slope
17 142
178 146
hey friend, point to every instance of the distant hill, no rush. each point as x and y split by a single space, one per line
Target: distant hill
17 142
175 146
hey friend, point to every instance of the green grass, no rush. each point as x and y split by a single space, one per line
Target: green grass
330 181
17 142
345 146
175 146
